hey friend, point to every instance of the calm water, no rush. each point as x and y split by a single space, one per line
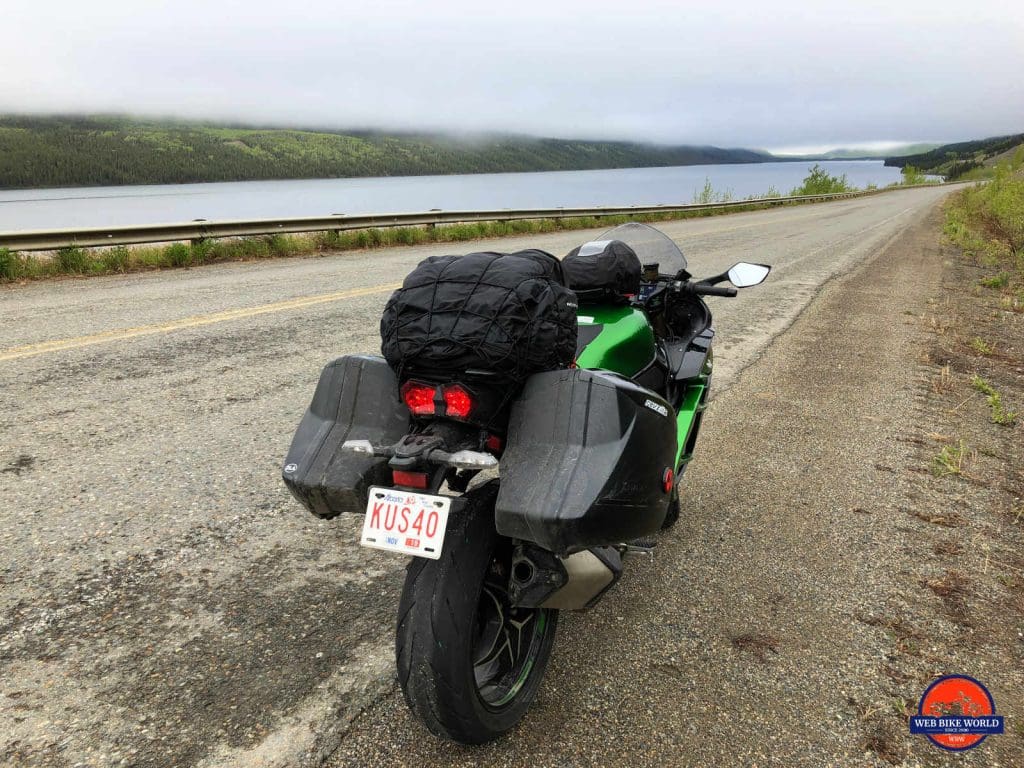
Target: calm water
108 206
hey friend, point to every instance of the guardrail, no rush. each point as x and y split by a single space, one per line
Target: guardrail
200 229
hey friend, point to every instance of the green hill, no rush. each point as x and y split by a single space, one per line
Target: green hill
856 153
954 160
81 151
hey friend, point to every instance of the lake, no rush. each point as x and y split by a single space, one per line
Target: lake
110 206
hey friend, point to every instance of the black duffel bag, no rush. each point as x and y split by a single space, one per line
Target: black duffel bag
503 313
602 269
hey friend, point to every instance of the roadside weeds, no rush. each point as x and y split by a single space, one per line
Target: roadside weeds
966 498
19 268
22 267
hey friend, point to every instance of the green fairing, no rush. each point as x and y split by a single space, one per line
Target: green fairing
692 404
626 342
626 345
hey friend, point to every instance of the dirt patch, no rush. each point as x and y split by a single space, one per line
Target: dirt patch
758 645
23 463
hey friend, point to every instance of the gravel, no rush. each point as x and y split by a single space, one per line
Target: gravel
165 602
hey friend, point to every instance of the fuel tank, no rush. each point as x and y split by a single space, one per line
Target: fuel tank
615 338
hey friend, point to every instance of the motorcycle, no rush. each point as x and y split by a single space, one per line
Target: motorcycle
588 461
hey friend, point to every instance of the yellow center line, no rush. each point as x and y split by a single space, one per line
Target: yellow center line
120 334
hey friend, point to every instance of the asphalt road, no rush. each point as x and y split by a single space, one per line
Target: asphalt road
164 601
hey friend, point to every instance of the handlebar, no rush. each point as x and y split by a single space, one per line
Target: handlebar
705 289
713 290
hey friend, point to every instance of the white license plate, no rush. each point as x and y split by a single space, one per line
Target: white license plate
407 522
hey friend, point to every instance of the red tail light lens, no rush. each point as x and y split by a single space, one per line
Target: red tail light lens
419 398
409 479
457 401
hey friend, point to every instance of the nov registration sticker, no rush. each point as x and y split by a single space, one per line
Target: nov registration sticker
406 522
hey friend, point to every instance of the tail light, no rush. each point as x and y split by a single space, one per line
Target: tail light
457 402
421 400
418 398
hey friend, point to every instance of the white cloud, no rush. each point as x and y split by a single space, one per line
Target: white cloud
784 73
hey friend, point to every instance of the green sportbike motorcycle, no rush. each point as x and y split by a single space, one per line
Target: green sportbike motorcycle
517 502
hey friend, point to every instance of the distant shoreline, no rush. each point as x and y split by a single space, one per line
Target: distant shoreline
75 187
82 152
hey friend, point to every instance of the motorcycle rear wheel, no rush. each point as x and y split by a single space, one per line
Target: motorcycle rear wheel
672 515
469 662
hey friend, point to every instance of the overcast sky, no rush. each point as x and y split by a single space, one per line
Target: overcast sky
771 74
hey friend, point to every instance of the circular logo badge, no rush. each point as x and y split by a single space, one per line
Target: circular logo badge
956 713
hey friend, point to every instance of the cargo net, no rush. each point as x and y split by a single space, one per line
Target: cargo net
508 314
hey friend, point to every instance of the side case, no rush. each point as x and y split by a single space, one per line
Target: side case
355 399
585 462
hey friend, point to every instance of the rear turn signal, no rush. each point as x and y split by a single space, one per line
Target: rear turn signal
419 398
409 479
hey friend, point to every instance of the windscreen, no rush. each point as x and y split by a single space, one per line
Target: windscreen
650 245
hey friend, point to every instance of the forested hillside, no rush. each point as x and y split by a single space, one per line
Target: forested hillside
955 160
79 151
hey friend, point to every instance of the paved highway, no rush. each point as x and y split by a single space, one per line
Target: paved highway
164 601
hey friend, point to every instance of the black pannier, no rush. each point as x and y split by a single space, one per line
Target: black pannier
602 269
356 398
510 314
588 461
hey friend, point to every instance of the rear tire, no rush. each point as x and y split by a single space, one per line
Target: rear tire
468 662
672 515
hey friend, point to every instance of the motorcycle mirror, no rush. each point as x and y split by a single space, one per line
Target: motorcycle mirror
744 275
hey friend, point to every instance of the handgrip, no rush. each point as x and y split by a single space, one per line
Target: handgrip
703 289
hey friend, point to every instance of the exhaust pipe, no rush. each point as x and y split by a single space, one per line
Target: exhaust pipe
541 579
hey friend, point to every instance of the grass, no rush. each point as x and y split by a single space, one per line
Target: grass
9 265
999 414
1013 303
987 222
982 347
951 460
73 261
1002 280
20 267
944 382
981 173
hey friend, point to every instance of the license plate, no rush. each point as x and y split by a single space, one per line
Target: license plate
402 521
